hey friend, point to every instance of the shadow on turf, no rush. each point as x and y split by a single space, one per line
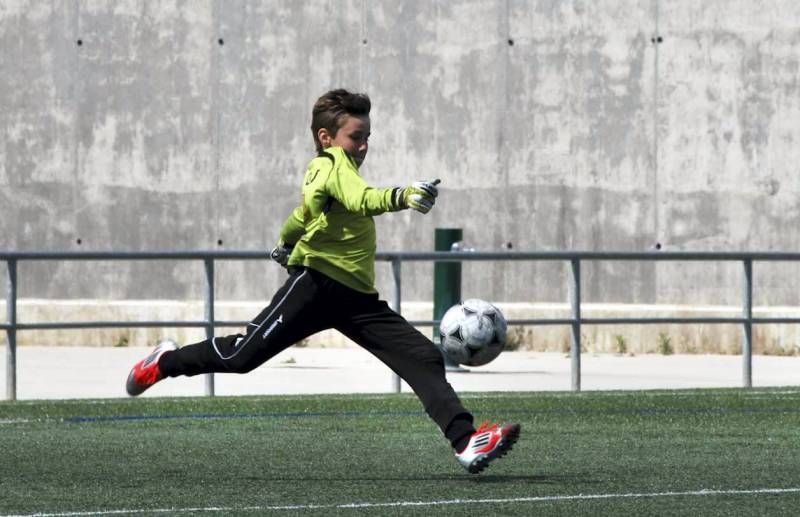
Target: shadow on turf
538 479
476 478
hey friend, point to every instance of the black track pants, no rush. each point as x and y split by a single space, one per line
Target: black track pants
310 302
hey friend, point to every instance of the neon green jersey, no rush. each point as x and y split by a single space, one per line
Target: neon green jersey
332 230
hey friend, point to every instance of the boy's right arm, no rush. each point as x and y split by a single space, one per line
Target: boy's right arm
294 227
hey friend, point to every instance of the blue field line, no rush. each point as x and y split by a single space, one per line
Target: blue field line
360 414
222 416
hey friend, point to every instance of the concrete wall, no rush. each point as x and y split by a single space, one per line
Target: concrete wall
615 125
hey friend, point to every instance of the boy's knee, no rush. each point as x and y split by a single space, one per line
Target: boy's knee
431 356
234 358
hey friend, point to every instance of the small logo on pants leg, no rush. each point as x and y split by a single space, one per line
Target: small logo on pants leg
272 327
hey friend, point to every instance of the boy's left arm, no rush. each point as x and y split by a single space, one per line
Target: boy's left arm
357 196
350 189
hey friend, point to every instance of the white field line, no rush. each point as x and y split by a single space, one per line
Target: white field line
396 504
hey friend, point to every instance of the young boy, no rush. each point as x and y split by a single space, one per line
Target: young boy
328 245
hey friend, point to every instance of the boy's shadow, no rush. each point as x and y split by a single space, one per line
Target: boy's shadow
537 479
540 479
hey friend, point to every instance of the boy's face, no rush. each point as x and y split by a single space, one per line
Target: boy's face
352 136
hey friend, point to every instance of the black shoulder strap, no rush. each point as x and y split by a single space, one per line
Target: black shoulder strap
325 154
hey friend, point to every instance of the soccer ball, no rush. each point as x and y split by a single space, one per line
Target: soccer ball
473 332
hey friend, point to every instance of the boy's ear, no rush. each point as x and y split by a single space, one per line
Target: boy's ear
324 137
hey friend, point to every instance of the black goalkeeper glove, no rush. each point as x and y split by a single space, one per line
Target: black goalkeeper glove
281 252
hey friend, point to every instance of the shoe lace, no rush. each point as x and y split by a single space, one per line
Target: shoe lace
486 426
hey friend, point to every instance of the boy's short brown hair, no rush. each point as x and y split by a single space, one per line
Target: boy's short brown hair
330 110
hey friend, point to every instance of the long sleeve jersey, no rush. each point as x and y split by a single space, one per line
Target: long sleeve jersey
333 231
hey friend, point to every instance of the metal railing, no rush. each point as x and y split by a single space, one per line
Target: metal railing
575 321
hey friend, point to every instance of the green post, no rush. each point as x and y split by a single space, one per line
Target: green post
446 283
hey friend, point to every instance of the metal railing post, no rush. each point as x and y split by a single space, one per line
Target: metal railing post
747 325
396 302
209 266
446 286
11 310
575 302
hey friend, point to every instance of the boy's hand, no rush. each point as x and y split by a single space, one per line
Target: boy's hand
281 252
421 195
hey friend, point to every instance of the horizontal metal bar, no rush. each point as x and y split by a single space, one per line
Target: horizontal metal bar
769 321
537 322
670 321
224 323
67 325
659 321
445 256
134 255
627 321
455 256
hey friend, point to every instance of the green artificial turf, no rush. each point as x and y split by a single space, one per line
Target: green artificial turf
593 453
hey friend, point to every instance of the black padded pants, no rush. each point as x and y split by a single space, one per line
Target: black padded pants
310 302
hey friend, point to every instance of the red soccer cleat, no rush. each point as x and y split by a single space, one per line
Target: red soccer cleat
146 372
486 444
